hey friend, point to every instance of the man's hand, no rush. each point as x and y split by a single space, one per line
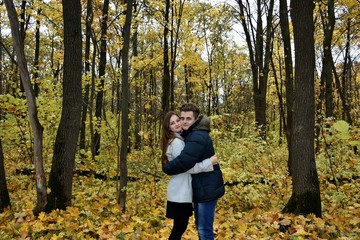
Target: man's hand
213 160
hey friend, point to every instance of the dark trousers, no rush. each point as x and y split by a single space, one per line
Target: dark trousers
180 225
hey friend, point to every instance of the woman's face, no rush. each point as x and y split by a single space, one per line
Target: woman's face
175 124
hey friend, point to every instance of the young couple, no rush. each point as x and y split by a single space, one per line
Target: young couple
196 183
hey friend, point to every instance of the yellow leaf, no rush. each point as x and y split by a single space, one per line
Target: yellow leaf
127 229
302 232
147 106
54 237
42 216
74 212
319 222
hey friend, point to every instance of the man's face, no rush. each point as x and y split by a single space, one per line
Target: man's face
187 119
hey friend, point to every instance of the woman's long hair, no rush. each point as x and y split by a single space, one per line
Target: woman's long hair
167 136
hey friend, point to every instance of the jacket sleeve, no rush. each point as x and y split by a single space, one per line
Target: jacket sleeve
204 166
190 155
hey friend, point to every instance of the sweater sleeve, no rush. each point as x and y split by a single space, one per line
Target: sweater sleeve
190 155
204 166
175 148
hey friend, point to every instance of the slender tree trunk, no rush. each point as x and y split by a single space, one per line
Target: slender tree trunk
346 67
305 198
138 95
91 101
4 194
102 67
32 108
345 105
326 74
188 84
174 46
63 161
289 80
125 107
259 60
166 72
88 21
37 55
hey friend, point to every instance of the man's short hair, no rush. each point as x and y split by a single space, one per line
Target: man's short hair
190 107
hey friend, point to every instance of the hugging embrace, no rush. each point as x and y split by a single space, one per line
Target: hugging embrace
196 182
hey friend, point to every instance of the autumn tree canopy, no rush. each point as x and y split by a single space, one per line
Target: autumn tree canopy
84 88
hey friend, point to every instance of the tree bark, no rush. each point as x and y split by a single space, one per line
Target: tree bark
102 67
138 96
289 79
125 108
37 56
175 29
166 72
305 198
32 108
88 21
326 74
346 69
4 194
63 161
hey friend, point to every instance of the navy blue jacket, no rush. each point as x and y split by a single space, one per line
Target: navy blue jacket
207 186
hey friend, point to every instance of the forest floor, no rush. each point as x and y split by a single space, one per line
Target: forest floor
257 189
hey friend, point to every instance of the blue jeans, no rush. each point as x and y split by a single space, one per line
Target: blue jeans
204 219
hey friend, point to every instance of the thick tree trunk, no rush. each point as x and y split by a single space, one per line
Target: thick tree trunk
32 108
63 161
305 197
125 108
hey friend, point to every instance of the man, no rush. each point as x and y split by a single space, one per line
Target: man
207 186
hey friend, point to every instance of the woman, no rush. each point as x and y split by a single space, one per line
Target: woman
179 193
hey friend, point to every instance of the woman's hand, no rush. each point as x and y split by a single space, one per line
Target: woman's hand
213 160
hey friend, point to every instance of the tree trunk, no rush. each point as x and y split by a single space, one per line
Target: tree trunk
166 77
289 80
88 21
63 161
102 67
125 108
326 74
345 105
305 198
4 194
346 68
32 108
259 60
138 95
174 46
37 55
